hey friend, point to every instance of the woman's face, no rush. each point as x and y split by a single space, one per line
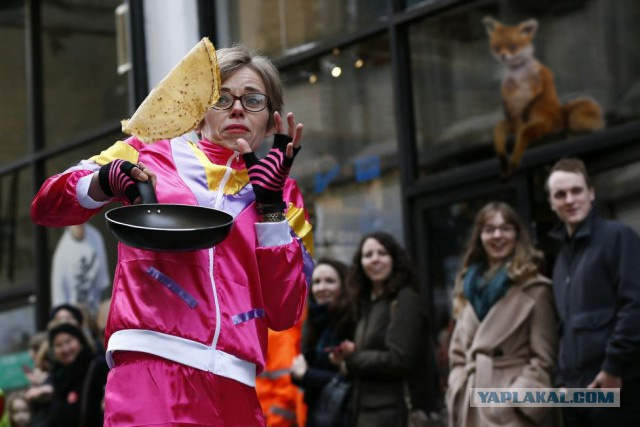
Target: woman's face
66 348
498 238
325 285
376 261
224 127
20 415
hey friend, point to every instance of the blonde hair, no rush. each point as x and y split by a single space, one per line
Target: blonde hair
42 360
525 261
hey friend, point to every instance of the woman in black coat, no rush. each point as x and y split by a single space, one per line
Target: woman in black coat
390 335
328 323
78 376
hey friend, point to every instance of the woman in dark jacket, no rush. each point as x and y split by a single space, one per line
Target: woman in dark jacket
389 336
328 323
78 376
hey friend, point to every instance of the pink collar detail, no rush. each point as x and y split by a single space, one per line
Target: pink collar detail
219 155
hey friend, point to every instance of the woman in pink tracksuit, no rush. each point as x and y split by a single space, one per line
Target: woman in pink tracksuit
187 331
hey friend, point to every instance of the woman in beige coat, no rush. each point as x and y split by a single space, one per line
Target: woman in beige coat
505 330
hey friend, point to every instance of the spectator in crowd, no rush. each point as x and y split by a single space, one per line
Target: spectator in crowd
80 270
596 281
505 330
40 389
79 315
329 322
18 412
78 378
389 334
278 396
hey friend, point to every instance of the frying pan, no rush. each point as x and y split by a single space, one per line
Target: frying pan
167 227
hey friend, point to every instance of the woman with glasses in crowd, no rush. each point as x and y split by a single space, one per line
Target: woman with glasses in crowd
187 331
505 335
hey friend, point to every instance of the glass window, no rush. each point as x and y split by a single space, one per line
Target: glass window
457 81
618 195
13 89
279 27
345 101
83 89
343 214
16 230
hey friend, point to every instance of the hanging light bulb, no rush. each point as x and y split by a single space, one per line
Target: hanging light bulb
359 63
336 71
313 78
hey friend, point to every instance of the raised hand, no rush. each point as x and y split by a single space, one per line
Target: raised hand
118 178
267 175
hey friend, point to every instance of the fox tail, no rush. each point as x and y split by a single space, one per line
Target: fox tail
583 115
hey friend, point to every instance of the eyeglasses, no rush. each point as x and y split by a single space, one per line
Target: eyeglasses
252 102
504 229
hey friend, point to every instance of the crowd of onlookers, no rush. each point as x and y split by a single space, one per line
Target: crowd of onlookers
66 382
367 358
365 323
363 353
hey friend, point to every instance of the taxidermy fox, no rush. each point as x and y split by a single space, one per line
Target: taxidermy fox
529 98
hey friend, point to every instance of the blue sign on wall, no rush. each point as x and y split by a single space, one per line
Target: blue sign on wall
367 168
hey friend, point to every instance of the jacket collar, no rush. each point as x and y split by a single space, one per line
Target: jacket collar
559 231
219 155
510 310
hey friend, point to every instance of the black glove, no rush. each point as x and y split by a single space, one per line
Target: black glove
116 181
267 175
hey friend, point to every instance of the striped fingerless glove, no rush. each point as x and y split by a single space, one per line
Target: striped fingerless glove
116 181
267 175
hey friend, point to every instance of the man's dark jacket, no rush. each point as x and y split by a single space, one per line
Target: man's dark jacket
596 281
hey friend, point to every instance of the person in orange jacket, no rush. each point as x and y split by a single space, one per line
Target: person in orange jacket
280 399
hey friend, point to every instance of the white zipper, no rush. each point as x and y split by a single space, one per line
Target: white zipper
218 202
224 180
215 299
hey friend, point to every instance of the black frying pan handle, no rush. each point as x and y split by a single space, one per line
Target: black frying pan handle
147 193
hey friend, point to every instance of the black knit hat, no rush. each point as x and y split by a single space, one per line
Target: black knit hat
70 329
75 312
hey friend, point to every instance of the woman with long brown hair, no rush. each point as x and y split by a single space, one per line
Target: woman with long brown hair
391 337
505 331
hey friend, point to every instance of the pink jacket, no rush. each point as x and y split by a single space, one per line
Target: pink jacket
210 308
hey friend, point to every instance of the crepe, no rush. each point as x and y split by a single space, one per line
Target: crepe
179 102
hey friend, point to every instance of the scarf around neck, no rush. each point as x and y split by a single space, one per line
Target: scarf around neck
482 293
